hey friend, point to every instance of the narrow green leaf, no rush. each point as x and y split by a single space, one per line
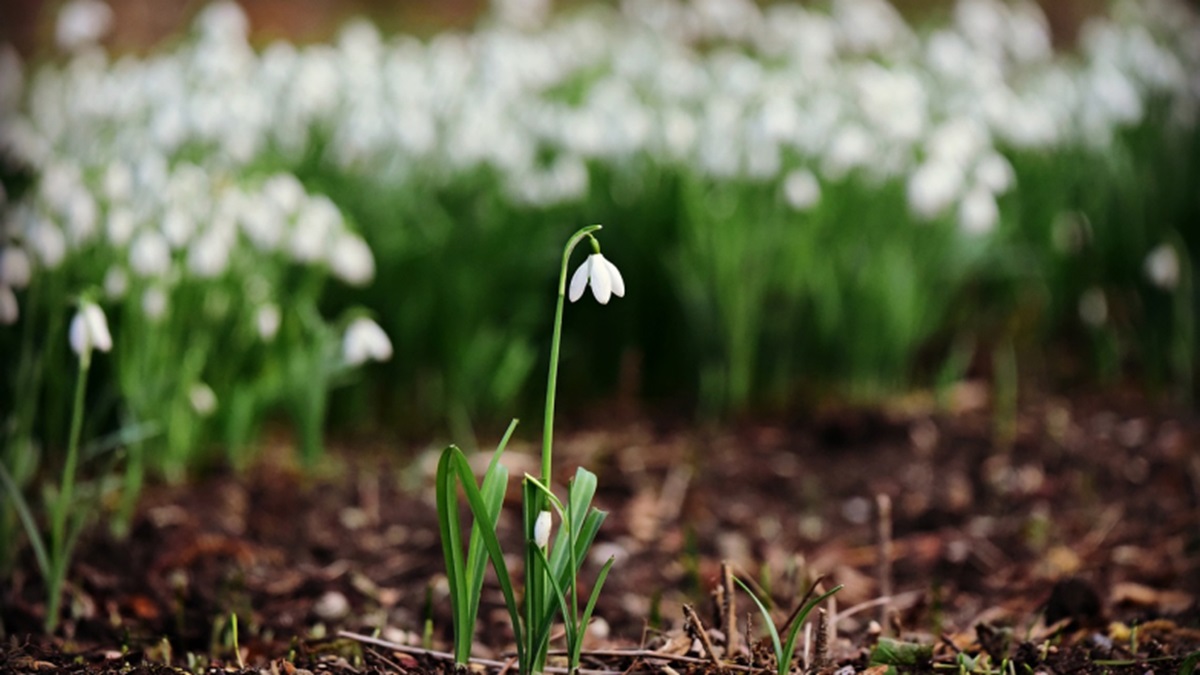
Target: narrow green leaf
789 645
492 544
1188 667
447 508
569 621
27 520
770 623
586 619
892 652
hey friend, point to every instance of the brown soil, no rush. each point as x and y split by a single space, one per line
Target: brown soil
1075 549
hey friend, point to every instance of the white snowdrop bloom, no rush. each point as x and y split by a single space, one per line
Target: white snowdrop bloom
267 319
933 187
150 254
982 22
178 227
893 100
350 259
603 276
314 227
1115 96
541 530
978 212
89 330
223 21
995 173
15 268
208 256
365 341
120 226
118 182
1162 267
960 140
81 217
801 189
851 148
82 23
522 14
1029 33
203 399
154 303
10 310
116 283
47 241
869 25
1093 307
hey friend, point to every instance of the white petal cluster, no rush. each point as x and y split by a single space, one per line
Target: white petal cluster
603 276
541 530
365 341
89 330
1162 267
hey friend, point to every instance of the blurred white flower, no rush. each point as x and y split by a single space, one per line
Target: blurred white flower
801 189
118 182
267 319
1093 307
933 187
223 21
15 268
603 276
350 259
203 399
978 212
121 224
89 330
208 256
995 173
365 341
315 224
851 148
47 241
150 255
178 227
541 530
12 79
116 283
82 23
1162 267
10 311
154 303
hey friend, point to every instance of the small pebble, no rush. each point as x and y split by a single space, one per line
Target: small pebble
332 606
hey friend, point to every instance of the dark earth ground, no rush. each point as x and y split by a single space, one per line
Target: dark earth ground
1076 550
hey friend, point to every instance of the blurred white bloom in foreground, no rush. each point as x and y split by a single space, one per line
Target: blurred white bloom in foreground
10 311
603 276
933 188
1162 267
978 213
81 23
116 282
267 320
154 303
47 241
995 173
150 255
89 330
365 341
208 256
541 530
1093 307
801 189
351 259
202 398
15 268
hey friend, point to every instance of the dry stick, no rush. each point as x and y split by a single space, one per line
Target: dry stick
821 651
648 654
803 601
728 610
694 626
883 600
883 505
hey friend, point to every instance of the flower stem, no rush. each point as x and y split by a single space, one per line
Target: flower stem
552 378
62 505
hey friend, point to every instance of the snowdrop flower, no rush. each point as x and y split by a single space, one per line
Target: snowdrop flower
350 259
801 189
89 330
10 311
154 304
47 241
15 268
1093 307
150 255
202 398
1162 267
541 530
116 282
995 173
267 320
81 23
365 341
208 256
603 276
978 213
933 187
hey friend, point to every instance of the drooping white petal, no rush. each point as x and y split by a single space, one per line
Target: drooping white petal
601 279
89 330
579 280
10 311
614 275
541 530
